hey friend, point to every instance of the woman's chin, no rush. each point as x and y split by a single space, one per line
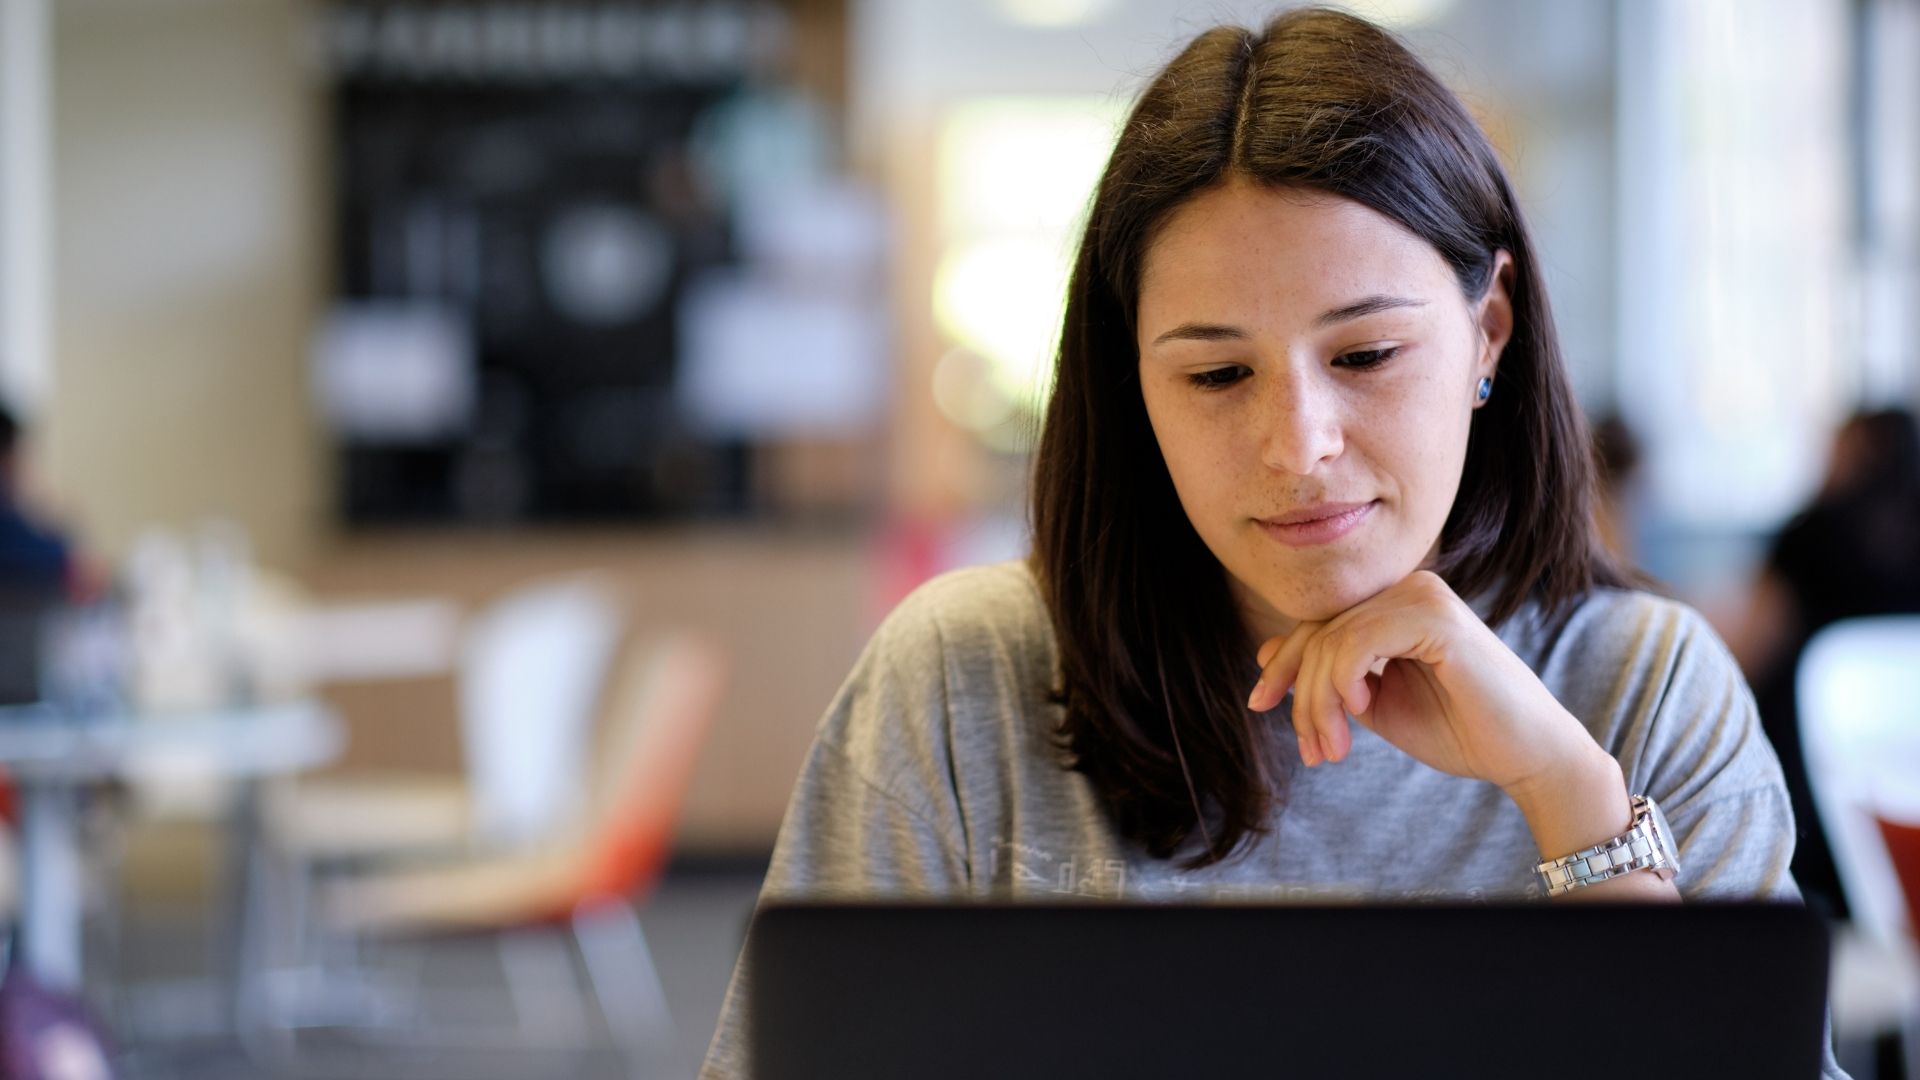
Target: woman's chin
1321 600
1317 611
1273 598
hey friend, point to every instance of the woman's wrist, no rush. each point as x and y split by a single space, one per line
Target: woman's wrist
1581 803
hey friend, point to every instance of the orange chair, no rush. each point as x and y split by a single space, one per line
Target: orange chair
1903 848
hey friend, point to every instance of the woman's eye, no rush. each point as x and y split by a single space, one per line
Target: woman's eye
1366 359
1218 378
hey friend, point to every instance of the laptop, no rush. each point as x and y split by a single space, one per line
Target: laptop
850 992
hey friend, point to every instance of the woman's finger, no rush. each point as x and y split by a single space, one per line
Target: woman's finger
1301 715
1307 697
1365 719
1349 661
1329 715
1280 665
1270 648
1353 658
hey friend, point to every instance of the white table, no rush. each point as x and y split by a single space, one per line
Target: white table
52 757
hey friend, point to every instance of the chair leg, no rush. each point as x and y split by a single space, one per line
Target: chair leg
539 974
1910 1046
627 988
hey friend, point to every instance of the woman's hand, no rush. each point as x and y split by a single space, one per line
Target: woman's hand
1417 667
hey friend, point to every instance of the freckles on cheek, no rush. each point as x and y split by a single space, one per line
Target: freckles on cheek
1205 468
1218 457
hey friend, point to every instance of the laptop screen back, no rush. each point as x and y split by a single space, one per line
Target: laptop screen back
1010 991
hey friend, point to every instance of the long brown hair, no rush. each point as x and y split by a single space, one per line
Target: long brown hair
1148 635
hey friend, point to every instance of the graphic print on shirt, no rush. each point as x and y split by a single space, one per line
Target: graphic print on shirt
1028 869
1025 869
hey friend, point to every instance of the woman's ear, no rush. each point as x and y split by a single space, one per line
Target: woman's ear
1494 315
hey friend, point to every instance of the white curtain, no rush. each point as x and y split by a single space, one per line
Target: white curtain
1737 278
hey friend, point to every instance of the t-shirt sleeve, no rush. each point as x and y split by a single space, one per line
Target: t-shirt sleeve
874 814
1696 748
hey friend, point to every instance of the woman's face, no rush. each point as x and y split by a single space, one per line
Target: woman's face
1309 367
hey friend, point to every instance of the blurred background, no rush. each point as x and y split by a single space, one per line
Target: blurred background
478 436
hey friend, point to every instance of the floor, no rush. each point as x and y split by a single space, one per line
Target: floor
170 1022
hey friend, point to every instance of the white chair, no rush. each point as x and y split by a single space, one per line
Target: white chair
533 666
531 675
1859 705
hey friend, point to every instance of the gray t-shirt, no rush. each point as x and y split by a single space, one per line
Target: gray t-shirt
935 774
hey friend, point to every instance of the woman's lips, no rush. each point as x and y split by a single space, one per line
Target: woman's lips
1317 524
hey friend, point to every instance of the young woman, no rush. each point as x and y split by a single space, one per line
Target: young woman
1316 606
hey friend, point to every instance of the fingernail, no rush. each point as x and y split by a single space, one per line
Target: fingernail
1258 689
1308 755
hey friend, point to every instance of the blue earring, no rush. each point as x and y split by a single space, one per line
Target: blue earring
1486 389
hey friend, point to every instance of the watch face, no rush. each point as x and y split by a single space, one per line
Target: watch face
1664 840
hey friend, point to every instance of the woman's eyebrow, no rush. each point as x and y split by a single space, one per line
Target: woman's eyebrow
1202 332
1368 306
1371 305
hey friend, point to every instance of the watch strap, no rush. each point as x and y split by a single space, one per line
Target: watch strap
1642 847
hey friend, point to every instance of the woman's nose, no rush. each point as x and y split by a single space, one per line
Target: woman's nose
1304 426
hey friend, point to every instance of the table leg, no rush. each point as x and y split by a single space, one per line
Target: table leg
240 935
51 883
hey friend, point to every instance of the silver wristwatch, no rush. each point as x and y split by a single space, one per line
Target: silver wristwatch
1647 845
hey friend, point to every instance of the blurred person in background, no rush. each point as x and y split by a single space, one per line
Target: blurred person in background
40 571
1317 606
1616 455
1855 551
37 560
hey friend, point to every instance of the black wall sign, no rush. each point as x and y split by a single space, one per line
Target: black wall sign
529 168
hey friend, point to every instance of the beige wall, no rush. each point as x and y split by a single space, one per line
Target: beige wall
188 268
